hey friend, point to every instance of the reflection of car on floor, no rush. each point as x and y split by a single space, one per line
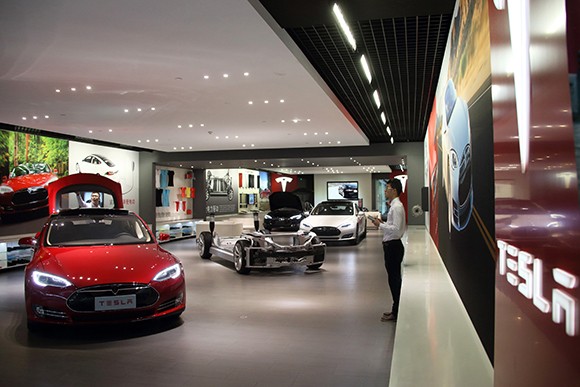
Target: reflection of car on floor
219 186
98 164
98 265
286 212
260 249
25 190
456 143
336 221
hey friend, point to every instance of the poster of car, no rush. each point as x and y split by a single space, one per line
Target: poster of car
28 163
119 165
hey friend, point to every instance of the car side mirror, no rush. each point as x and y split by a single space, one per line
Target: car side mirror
27 242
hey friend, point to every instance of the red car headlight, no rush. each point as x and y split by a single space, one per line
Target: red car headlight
171 272
44 279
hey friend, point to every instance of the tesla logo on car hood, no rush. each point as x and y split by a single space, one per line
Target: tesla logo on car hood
519 25
283 180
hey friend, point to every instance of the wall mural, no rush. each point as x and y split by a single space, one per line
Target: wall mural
459 150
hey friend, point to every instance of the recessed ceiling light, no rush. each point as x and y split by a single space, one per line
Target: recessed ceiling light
320 142
217 137
227 137
190 147
139 141
182 148
266 101
126 110
156 140
152 108
342 22
73 89
226 75
338 142
34 117
191 125
174 148
206 77
178 126
281 101
295 120
308 119
252 145
237 136
316 133
57 90
147 140
250 102
246 74
210 162
202 125
110 130
326 133
306 134
46 117
88 87
90 131
283 121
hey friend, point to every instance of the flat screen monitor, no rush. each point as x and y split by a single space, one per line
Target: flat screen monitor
342 190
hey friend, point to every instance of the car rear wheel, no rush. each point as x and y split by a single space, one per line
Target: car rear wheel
240 256
204 243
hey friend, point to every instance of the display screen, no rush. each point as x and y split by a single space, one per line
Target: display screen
342 190
251 199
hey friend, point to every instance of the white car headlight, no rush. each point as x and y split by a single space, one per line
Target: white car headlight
296 216
44 279
267 216
171 272
345 225
305 225
5 189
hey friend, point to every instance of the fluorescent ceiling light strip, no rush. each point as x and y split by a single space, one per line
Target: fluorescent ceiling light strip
389 131
376 98
340 17
366 69
384 118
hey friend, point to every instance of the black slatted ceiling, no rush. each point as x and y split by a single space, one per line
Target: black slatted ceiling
405 55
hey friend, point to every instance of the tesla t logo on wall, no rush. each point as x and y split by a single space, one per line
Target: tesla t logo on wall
283 180
514 264
519 24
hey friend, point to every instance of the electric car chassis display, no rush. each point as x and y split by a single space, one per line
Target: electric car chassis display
261 249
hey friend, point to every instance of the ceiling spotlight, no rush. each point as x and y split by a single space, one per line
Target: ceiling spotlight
326 133
90 131
147 140
226 75
46 117
138 109
283 121
57 90
156 140
178 126
126 110
237 136
202 125
252 145
34 117
281 101
110 130
306 134
88 87
250 102
266 101
73 89
152 108
206 77
139 141
191 125
246 74
295 120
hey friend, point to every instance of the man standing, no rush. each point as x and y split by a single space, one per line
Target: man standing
393 230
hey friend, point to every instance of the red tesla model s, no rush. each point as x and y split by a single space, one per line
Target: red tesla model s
98 265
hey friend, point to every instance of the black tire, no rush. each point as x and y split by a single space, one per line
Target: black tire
204 243
364 234
34 327
240 256
356 239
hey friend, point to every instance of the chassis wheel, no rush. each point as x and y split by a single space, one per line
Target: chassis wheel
204 243
356 239
240 256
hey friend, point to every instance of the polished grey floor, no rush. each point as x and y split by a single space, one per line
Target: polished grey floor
271 328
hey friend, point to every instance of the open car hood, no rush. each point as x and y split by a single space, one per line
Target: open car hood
85 182
284 200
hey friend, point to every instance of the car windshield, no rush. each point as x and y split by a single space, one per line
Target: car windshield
333 209
97 229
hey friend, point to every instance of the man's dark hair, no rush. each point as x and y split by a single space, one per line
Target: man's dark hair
396 185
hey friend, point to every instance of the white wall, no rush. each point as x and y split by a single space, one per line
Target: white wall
365 190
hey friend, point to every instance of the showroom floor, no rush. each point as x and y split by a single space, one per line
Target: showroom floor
271 328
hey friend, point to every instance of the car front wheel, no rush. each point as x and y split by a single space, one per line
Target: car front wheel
204 243
240 253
